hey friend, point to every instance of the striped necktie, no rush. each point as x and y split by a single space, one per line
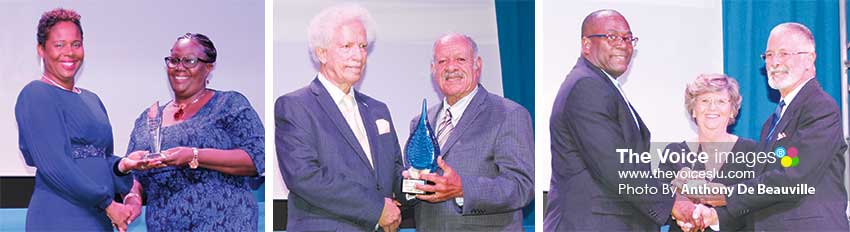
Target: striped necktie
445 128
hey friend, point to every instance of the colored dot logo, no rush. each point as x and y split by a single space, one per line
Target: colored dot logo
787 157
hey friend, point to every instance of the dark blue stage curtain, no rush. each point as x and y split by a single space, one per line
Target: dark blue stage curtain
515 20
746 27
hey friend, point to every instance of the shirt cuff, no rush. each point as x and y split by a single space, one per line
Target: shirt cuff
104 203
118 171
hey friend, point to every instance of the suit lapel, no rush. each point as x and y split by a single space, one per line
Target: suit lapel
644 131
469 114
627 123
790 114
624 115
792 110
332 111
371 129
763 144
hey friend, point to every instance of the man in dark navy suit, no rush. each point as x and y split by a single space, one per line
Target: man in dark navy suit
337 148
591 118
806 122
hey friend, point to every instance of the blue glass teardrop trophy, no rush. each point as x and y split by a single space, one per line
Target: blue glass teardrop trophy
421 153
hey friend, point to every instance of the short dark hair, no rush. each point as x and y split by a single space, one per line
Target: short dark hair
50 18
204 41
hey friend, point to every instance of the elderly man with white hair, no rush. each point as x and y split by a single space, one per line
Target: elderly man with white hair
806 191
337 148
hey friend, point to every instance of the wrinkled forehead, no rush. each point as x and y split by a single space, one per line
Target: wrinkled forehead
453 45
789 40
348 31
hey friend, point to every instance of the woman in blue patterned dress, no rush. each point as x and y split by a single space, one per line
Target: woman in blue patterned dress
213 146
64 132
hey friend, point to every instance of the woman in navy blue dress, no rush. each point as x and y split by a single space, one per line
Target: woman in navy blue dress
213 146
64 132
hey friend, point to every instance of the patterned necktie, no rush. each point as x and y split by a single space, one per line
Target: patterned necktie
445 128
774 119
356 126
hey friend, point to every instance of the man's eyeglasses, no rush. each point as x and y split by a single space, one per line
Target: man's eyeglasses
613 38
782 55
188 62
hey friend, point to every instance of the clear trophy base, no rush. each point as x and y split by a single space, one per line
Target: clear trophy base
154 156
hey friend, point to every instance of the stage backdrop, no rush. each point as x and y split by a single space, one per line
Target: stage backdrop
398 67
678 41
125 43
747 26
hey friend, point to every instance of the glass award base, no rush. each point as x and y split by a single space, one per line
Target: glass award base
409 186
154 156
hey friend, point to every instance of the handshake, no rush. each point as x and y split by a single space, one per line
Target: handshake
692 216
694 212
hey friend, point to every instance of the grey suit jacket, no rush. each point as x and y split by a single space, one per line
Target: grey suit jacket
332 186
812 125
492 149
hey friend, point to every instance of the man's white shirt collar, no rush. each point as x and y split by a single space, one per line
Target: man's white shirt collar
334 91
613 80
458 108
793 94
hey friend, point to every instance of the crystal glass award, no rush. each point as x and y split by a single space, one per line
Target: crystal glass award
154 125
421 153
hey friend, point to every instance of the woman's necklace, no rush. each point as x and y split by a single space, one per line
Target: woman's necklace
180 107
49 81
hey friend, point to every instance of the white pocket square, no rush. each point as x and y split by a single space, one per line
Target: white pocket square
383 126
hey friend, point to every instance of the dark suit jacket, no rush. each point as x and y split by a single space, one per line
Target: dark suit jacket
589 121
492 149
812 125
332 186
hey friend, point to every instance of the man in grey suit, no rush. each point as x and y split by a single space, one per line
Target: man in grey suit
486 171
591 119
337 149
807 125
